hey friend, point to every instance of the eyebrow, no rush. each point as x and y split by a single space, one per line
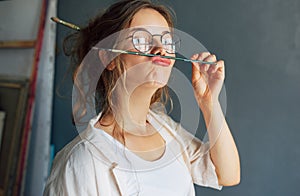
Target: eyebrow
138 28
144 29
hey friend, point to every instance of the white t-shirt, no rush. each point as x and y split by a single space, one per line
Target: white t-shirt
168 175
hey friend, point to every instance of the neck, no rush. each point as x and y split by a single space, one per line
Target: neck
132 110
139 103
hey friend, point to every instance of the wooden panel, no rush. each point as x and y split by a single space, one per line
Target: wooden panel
17 44
13 99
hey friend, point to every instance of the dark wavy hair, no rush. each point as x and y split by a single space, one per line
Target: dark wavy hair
77 45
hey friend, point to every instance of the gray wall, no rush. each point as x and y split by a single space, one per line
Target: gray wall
19 20
260 43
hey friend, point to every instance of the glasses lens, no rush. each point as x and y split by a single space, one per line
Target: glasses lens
142 41
171 42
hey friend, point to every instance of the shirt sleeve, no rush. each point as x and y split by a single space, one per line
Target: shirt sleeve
72 175
201 166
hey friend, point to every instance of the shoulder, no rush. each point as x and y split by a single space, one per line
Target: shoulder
72 167
72 158
75 153
81 150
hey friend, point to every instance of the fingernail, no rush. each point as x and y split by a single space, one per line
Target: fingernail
206 67
194 56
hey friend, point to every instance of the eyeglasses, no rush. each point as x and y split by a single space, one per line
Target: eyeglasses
142 41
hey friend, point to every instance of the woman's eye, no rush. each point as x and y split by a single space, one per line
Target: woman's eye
140 40
167 41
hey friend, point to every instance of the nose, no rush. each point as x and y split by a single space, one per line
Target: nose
158 48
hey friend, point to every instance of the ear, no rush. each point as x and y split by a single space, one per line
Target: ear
105 60
111 66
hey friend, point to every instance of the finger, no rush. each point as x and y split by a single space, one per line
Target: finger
203 55
200 57
212 67
209 58
195 66
195 69
198 70
221 66
198 66
195 56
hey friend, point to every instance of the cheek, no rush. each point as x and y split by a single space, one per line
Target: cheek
172 63
132 60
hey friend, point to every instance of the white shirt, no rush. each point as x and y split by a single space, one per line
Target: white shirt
94 164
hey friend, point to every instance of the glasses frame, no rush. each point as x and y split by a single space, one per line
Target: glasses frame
177 42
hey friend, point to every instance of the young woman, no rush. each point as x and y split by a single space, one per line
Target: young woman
129 149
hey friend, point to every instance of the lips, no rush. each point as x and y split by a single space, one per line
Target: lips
161 61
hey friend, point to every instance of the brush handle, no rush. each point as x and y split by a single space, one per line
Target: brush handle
67 24
153 55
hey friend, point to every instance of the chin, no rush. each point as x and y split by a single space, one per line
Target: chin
159 77
154 84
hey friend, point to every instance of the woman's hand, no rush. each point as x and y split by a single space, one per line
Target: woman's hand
207 79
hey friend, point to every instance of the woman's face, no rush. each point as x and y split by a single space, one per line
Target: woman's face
143 70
